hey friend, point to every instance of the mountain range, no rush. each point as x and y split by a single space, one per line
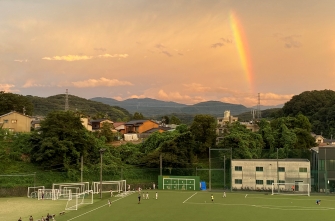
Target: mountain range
153 108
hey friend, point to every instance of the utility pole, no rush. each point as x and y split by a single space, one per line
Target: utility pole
101 152
277 173
210 171
161 164
224 171
66 101
82 168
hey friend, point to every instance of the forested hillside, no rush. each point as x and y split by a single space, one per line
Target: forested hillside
318 107
43 106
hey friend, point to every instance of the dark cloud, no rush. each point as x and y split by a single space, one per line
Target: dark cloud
226 40
291 41
159 46
167 53
217 45
100 49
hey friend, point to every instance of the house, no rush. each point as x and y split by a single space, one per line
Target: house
139 126
85 121
120 127
323 167
259 174
97 124
15 122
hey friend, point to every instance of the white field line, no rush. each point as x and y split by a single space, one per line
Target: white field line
96 208
190 197
295 208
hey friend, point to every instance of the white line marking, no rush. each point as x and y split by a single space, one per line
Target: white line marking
189 197
96 208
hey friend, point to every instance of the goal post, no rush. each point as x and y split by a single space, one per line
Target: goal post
297 188
32 191
116 186
79 199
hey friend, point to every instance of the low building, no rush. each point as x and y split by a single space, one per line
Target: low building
140 126
259 174
97 124
323 168
15 122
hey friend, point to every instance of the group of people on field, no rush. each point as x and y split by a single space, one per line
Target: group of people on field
48 217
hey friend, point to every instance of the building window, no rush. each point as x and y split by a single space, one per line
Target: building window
260 169
238 168
259 182
281 182
238 181
269 182
302 169
14 121
281 169
5 121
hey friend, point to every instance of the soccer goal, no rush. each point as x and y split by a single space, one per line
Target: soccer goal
117 186
291 188
79 199
83 186
33 191
46 194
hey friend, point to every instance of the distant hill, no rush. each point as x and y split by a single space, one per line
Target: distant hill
154 108
263 107
42 106
268 113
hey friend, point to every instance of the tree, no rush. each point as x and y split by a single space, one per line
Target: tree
138 116
61 140
15 102
106 131
175 120
203 129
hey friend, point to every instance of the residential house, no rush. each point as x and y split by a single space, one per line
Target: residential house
85 121
15 122
159 129
120 127
97 124
139 126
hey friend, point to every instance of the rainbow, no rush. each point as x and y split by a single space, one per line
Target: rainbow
242 47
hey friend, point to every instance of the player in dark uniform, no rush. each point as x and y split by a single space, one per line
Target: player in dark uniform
139 198
318 202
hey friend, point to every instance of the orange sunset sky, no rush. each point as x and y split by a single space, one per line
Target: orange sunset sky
186 51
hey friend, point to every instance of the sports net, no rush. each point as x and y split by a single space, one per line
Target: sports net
79 199
106 186
33 191
291 189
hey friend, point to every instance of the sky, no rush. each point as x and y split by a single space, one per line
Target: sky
186 51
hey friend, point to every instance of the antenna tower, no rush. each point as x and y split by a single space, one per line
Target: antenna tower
259 107
66 101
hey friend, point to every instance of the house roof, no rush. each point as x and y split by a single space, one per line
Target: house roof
116 124
99 120
135 122
12 112
152 130
275 160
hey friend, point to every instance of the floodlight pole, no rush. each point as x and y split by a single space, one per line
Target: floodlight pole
101 152
210 171
224 171
277 173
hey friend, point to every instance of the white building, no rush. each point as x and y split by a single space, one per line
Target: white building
259 174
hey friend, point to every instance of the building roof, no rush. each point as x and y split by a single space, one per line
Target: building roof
116 124
275 160
12 112
135 122
99 120
152 130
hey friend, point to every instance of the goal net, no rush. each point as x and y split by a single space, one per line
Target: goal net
33 191
106 186
46 194
291 188
79 199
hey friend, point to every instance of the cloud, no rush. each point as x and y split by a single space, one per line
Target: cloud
21 60
167 53
137 96
174 96
7 87
220 44
101 82
217 45
159 46
83 57
290 41
30 83
195 87
68 58
113 56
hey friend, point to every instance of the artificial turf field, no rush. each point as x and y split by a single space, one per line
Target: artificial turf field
179 205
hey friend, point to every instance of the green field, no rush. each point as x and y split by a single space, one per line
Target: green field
178 205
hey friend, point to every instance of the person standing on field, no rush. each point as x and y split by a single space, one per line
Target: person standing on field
156 195
31 218
212 198
139 198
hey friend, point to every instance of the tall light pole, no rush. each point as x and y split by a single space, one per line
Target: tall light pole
277 173
101 152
